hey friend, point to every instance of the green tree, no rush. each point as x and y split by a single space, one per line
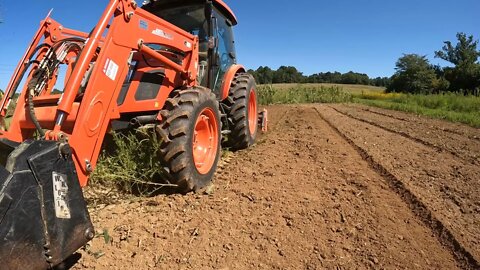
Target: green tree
254 74
380 81
355 78
414 74
288 74
465 75
314 78
265 75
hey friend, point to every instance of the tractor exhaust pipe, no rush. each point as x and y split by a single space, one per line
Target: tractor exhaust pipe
143 120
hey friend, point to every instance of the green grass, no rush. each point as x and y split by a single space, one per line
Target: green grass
449 106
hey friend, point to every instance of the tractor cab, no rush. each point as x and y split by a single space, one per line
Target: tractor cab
212 22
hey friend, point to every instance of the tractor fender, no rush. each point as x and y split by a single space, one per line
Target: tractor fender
227 81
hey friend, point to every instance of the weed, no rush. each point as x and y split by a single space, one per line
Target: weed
132 165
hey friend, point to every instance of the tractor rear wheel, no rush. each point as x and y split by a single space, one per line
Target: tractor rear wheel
242 112
190 134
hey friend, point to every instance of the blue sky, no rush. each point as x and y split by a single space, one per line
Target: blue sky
315 36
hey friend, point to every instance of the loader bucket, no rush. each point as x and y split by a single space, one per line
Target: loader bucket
43 215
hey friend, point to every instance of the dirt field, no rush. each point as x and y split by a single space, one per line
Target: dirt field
328 187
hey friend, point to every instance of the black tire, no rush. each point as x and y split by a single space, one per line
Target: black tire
236 107
176 132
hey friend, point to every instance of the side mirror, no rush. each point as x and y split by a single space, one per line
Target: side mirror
211 24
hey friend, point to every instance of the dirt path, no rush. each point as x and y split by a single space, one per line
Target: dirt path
320 190
434 125
460 141
437 168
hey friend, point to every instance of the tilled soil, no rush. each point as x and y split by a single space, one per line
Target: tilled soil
328 187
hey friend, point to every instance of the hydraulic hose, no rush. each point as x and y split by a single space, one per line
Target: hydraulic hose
38 75
31 112
30 97
33 83
15 87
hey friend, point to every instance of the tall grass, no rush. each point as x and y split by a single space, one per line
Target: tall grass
269 94
351 88
132 164
449 106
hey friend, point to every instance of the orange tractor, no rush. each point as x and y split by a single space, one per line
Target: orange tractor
169 67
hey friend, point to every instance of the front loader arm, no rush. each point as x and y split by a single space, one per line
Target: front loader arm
98 108
84 122
43 215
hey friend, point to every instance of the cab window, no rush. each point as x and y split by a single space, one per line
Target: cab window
225 52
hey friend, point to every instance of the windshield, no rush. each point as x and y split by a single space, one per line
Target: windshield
190 18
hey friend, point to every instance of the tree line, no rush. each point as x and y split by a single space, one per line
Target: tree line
290 74
415 74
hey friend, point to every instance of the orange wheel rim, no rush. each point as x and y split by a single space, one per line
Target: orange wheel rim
205 141
252 112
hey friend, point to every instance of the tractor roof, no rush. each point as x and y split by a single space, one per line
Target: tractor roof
219 4
226 10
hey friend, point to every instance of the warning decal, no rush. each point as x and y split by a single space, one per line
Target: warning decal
110 69
60 193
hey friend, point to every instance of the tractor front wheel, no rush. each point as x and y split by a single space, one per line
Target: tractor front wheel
190 138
